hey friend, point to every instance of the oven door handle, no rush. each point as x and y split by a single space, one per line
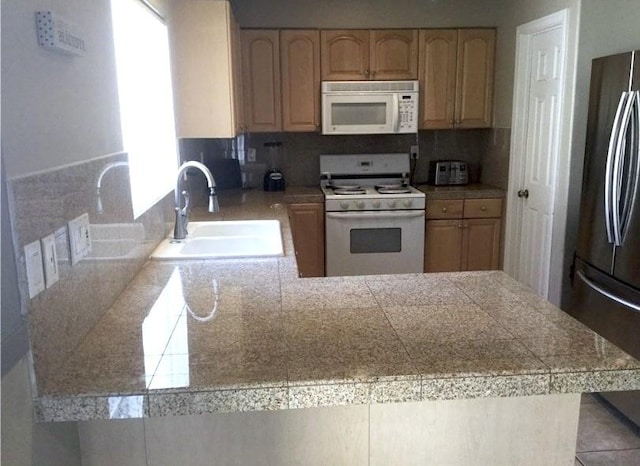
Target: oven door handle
376 215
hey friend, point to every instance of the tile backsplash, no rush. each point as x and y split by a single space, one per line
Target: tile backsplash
299 155
42 204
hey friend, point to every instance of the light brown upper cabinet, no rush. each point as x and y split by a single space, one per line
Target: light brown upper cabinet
261 79
358 54
300 70
456 78
205 69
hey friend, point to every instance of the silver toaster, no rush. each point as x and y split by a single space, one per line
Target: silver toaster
447 172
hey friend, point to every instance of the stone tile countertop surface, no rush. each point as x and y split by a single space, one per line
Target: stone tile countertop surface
192 337
468 191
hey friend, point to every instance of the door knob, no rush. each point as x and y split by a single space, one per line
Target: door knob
524 193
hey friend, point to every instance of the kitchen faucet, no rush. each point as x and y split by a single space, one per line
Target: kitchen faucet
182 213
105 169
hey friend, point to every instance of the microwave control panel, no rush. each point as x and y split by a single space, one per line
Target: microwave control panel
408 112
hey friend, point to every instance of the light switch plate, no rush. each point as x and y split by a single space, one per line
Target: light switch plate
79 238
33 264
50 260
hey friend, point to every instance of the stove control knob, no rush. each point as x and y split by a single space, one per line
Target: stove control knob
375 204
392 204
408 202
344 205
360 204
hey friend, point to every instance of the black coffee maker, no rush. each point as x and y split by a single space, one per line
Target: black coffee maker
273 178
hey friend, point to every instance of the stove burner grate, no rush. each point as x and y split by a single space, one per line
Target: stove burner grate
393 190
349 191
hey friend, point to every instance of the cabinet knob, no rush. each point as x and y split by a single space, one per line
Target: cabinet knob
444 209
483 208
366 73
466 225
459 225
524 193
457 122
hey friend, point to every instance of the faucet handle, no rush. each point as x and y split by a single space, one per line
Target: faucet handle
213 201
185 209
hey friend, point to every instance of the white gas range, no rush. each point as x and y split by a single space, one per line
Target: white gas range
374 219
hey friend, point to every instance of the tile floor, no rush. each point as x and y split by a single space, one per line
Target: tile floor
604 437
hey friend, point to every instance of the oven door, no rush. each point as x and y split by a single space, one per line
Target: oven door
372 243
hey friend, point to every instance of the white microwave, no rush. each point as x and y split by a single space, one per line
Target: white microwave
369 107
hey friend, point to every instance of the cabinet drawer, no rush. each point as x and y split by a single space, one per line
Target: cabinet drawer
482 208
445 208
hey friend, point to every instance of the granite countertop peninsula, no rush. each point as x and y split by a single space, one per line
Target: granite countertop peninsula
194 337
468 191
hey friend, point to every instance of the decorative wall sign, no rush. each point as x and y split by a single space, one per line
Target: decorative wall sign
58 35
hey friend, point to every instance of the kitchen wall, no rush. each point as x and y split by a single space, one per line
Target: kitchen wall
60 132
367 14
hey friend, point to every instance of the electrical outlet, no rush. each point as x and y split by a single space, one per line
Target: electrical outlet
50 260
33 263
415 152
79 238
251 155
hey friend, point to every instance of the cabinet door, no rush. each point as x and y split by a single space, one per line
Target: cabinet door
474 86
238 107
202 68
481 244
261 79
307 227
444 208
394 54
300 59
437 65
344 54
443 239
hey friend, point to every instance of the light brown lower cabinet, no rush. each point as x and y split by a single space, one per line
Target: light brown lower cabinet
307 228
462 235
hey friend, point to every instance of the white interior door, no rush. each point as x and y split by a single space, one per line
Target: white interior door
537 161
541 150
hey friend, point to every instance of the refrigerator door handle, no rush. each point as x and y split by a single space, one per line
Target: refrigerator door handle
580 274
609 196
633 171
618 169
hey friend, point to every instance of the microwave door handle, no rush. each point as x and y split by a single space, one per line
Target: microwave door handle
618 169
396 113
609 173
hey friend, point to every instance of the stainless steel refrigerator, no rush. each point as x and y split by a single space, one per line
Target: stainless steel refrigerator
606 269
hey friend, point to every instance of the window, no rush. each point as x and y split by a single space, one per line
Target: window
146 101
